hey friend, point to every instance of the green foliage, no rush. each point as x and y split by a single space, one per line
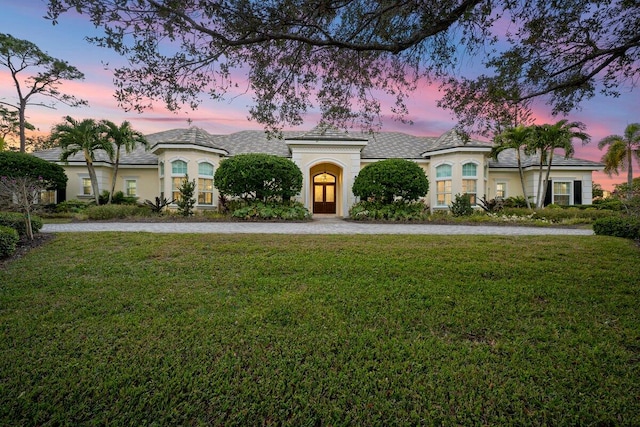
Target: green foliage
515 202
118 198
461 205
624 226
296 330
8 240
387 180
71 206
186 202
17 221
112 211
272 211
14 165
492 205
262 177
396 211
158 205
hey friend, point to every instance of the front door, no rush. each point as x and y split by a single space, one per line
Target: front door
324 194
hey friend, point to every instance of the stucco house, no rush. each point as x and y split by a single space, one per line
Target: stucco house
329 160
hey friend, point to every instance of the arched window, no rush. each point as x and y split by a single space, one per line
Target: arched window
443 185
470 181
178 174
205 183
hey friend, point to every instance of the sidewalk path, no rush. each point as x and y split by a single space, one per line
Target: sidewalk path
317 226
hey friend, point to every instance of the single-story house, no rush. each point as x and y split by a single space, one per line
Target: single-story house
329 160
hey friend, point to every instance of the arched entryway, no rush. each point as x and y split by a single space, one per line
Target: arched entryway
324 193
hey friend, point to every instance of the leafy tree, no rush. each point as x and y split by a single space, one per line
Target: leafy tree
122 137
10 124
262 177
335 55
186 201
15 165
19 55
546 139
597 191
387 180
87 137
514 138
22 193
621 151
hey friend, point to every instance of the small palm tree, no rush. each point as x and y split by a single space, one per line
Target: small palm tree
122 137
546 139
621 151
87 137
515 138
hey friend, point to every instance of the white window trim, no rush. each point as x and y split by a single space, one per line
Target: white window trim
553 190
213 165
447 178
506 189
125 179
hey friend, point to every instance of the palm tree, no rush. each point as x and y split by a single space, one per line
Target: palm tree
515 138
622 149
546 139
122 136
87 137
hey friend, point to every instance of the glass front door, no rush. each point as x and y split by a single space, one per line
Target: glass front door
324 194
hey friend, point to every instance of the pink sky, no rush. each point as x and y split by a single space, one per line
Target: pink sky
603 116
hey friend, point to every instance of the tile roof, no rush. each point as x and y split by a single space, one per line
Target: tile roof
382 145
507 159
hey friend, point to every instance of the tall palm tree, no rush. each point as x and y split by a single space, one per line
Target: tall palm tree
87 137
515 138
546 139
122 137
621 151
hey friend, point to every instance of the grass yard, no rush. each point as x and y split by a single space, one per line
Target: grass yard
148 329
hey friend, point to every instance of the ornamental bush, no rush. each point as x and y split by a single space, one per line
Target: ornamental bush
389 180
261 177
626 226
17 221
396 211
8 241
21 164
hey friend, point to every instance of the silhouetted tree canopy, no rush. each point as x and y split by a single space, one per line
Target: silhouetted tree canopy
343 56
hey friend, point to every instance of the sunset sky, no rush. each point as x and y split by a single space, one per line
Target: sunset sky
23 19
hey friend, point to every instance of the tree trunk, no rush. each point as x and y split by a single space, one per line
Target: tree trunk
546 181
22 122
539 197
93 178
524 187
630 172
115 175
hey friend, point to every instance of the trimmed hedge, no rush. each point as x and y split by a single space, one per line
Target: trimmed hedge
104 212
627 227
16 221
8 241
290 211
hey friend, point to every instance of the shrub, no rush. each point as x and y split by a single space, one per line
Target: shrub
627 227
515 202
262 177
17 221
106 212
158 205
396 211
21 164
461 205
391 179
8 240
118 198
273 210
71 206
186 202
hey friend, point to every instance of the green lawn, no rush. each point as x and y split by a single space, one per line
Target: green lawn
147 329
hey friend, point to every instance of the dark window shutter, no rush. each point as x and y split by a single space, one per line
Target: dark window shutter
577 192
547 196
62 195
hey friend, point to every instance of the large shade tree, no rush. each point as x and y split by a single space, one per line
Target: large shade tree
34 72
621 151
124 138
341 57
86 137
